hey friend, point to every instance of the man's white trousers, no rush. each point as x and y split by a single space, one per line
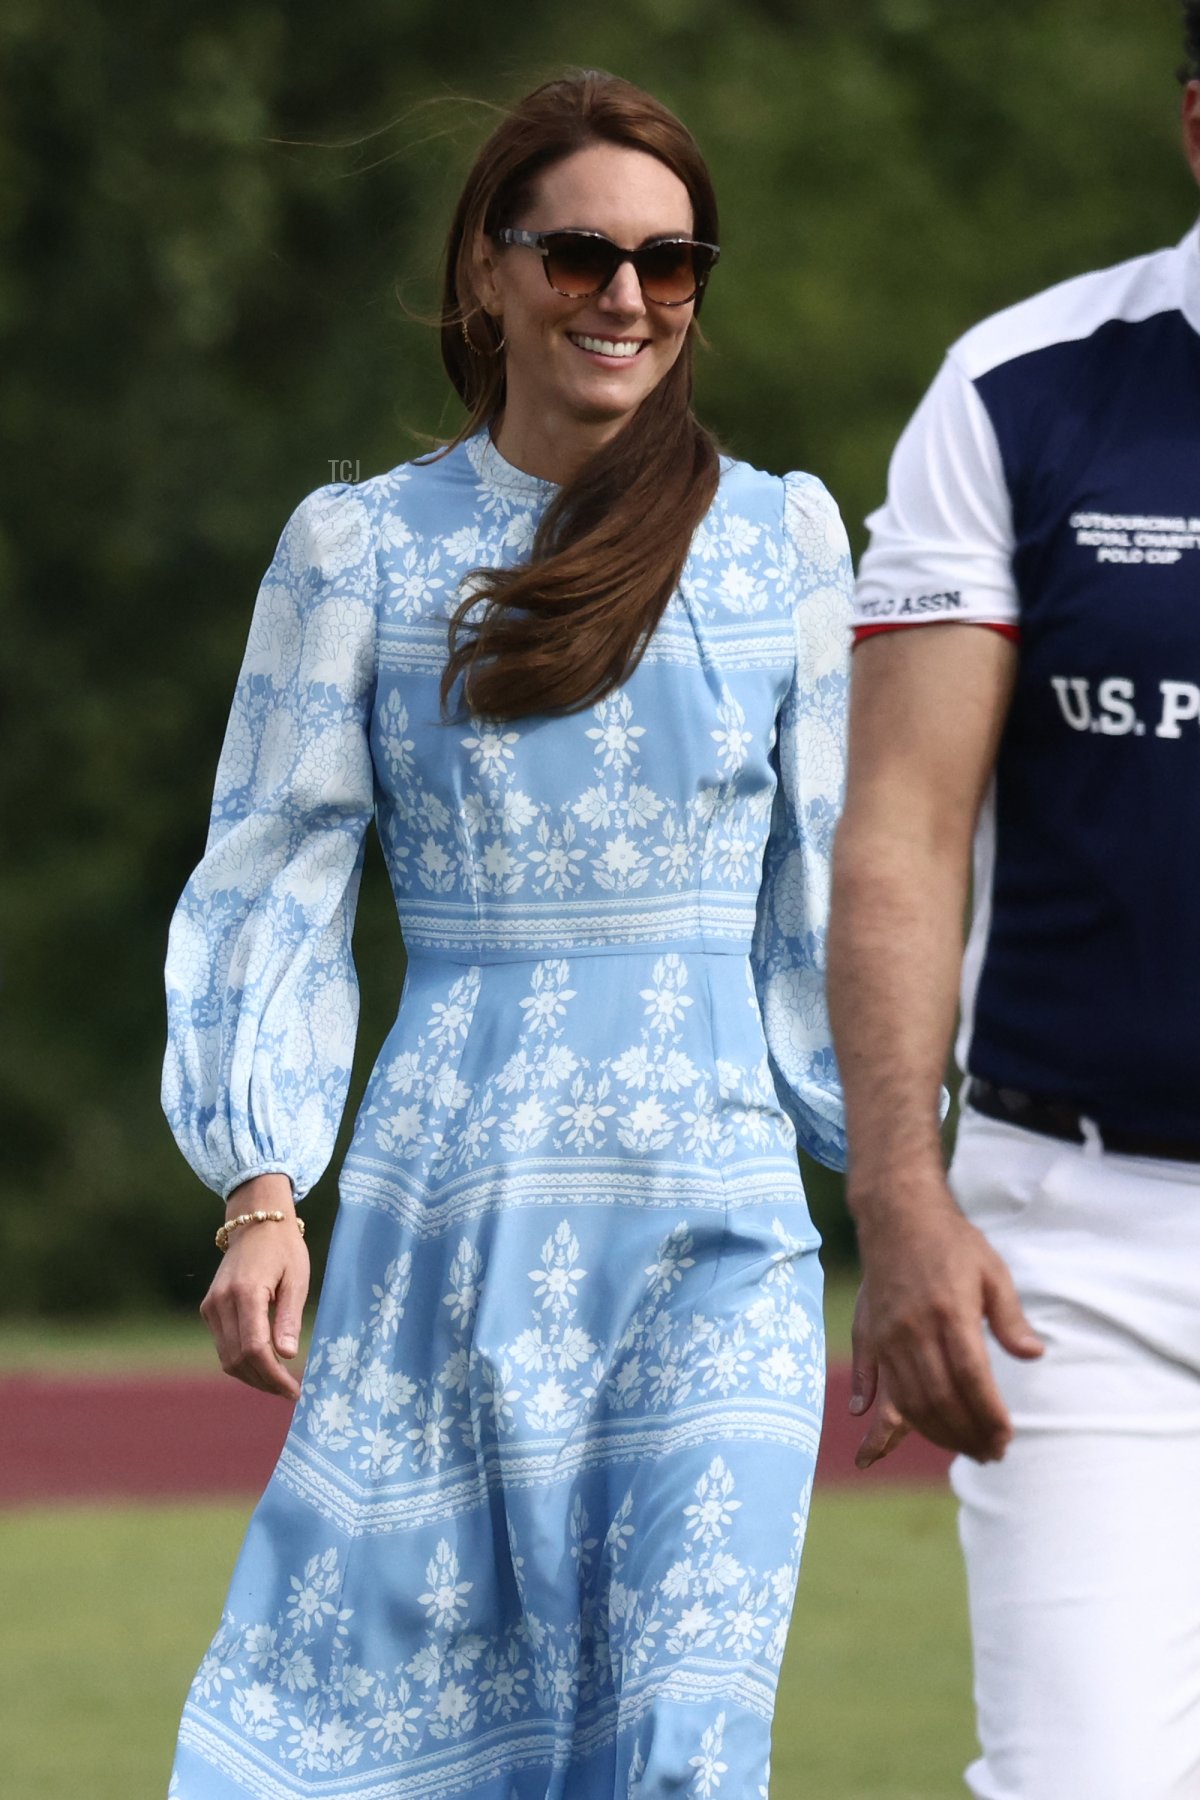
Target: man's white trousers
1083 1544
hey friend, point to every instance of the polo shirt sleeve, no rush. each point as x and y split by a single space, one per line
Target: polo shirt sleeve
941 544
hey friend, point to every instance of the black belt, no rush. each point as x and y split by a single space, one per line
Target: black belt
1059 1119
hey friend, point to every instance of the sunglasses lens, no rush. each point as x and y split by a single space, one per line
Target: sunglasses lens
671 273
578 265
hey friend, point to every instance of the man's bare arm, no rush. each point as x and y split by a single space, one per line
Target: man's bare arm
927 708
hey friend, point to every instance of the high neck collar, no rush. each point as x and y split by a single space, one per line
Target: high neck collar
504 478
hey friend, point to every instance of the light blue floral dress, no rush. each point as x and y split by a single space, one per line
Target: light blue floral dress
536 1528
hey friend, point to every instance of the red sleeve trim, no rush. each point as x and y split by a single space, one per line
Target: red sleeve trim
1011 632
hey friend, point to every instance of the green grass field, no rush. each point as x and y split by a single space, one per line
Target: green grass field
107 1611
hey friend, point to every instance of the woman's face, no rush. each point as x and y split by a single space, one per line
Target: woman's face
586 364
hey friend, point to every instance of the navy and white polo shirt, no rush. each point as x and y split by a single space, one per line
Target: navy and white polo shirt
1049 484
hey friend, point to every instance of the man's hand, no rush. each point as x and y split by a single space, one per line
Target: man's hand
927 713
930 1281
888 1428
266 1266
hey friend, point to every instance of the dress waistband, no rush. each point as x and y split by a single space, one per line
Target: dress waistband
475 955
472 931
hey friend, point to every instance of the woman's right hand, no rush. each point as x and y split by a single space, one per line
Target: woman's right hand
256 1301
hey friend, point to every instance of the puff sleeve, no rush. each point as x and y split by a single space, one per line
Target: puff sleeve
788 950
262 998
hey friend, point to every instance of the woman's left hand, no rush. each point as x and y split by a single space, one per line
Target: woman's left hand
255 1304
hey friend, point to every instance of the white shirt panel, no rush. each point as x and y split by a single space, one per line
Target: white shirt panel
941 544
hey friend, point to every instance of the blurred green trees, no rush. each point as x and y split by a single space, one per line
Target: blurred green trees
221 228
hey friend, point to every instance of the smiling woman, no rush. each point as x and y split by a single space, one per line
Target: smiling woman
536 1528
581 366
578 365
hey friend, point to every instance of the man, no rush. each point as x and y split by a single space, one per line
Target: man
1039 1312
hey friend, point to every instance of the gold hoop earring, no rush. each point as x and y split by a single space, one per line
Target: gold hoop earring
469 341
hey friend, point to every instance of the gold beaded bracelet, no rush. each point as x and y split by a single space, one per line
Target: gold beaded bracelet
254 1218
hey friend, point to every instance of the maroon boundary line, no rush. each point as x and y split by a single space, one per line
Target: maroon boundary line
190 1437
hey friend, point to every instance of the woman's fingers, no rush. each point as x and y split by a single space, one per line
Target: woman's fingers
237 1311
256 1361
290 1296
212 1311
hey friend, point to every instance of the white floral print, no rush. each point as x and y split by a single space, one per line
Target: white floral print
548 1476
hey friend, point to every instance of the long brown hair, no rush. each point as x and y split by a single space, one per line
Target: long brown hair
557 633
